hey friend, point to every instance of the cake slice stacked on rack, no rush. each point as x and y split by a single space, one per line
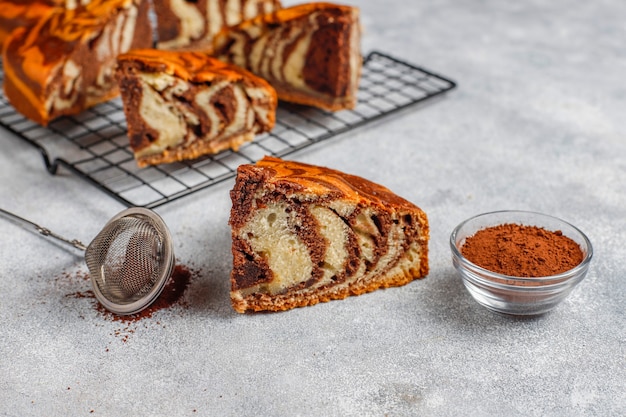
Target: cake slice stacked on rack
310 53
181 105
64 62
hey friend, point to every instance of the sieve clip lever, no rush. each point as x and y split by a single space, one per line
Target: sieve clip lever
74 242
42 230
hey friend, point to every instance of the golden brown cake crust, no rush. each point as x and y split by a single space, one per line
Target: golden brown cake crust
284 302
324 183
196 67
395 230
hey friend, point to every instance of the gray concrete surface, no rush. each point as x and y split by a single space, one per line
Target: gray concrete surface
537 123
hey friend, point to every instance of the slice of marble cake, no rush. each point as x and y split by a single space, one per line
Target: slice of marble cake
181 105
304 234
64 62
310 53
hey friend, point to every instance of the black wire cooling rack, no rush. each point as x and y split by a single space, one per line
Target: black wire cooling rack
94 145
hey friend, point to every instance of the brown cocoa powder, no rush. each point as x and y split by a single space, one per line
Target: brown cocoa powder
522 251
172 295
173 291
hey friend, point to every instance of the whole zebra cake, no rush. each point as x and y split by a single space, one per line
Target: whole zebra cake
181 105
181 23
65 61
310 53
304 234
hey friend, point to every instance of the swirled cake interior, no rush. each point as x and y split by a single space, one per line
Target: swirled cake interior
181 23
181 105
305 234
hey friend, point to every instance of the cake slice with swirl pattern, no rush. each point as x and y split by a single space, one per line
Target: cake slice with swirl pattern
304 234
64 62
310 53
181 105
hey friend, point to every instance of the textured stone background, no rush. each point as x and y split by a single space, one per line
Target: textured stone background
536 123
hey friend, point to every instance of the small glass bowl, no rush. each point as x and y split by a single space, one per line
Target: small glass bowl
519 296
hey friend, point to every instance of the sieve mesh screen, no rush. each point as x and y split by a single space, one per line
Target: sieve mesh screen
127 258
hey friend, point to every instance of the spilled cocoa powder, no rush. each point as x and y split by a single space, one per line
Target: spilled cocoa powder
172 295
522 251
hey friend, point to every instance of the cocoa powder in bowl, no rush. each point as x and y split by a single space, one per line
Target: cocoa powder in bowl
519 262
522 251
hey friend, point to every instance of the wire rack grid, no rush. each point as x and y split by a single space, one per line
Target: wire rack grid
94 144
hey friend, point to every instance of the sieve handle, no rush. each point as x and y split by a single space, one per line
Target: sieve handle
42 230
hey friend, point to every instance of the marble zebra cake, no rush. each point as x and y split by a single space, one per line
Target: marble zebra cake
180 105
310 53
304 234
181 23
65 62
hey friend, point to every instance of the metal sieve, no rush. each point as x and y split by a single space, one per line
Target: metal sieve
129 261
